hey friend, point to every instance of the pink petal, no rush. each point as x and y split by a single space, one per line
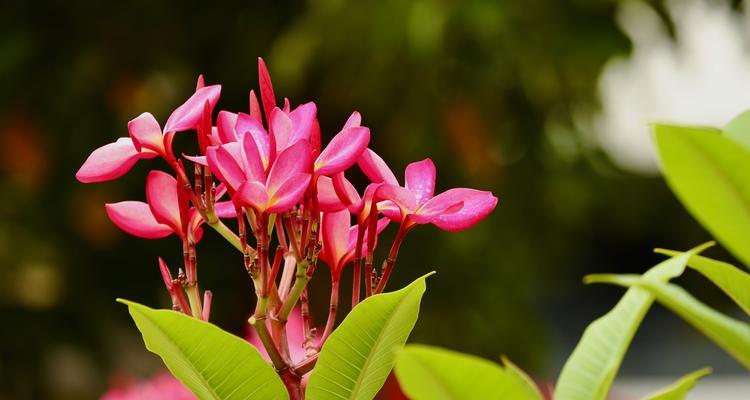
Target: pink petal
162 198
108 162
343 151
328 200
303 122
335 231
225 209
375 168
280 128
254 195
346 192
293 160
146 133
247 124
197 159
477 205
225 123
200 83
266 88
391 211
420 179
255 107
403 198
188 115
290 192
225 165
135 218
252 164
196 220
442 204
354 120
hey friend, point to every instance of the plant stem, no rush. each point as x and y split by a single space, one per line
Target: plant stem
403 229
195 300
306 365
333 307
227 234
357 267
300 283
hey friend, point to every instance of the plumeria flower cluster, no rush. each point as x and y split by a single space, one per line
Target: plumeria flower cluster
267 172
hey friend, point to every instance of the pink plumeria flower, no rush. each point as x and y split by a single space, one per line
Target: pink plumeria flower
163 213
344 149
146 140
339 240
415 202
163 386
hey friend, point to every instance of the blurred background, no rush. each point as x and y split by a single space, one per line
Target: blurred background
546 103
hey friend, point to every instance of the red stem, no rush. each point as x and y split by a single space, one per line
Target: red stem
357 267
403 229
333 307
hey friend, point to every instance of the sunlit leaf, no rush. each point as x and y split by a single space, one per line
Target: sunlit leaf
680 389
212 363
708 173
431 373
358 356
730 279
589 371
730 334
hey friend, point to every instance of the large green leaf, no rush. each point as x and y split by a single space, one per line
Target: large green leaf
680 389
708 173
728 333
358 356
730 279
431 373
738 129
589 371
214 364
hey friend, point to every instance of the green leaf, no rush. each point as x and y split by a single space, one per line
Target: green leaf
730 279
680 389
358 356
730 334
431 373
214 364
708 173
738 129
589 371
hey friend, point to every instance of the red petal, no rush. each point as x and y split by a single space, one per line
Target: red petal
252 163
255 107
108 162
246 124
135 218
224 163
420 180
328 199
254 195
293 160
266 88
343 151
280 128
335 231
290 193
303 122
146 133
188 115
477 205
225 123
375 168
162 198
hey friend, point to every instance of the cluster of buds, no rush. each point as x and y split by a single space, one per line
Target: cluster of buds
268 171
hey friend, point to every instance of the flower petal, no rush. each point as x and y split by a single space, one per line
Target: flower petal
162 198
253 195
266 88
252 164
225 123
403 198
146 133
354 120
293 160
135 218
303 122
280 128
328 199
420 180
108 162
197 159
477 205
224 163
247 124
343 150
255 107
335 231
290 192
375 168
188 115
225 209
346 192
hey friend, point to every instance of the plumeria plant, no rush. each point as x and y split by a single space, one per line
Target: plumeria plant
265 182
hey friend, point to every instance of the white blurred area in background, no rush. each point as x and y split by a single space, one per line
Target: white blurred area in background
701 76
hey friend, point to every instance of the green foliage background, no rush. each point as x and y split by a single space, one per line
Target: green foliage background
476 85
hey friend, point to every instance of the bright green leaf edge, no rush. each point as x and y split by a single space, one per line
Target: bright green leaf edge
591 368
358 356
431 373
680 389
212 363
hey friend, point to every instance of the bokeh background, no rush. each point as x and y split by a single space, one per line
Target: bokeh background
546 103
